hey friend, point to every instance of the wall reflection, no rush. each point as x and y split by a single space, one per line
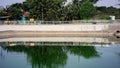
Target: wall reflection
54 44
52 56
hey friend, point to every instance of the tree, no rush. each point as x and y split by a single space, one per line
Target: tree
107 11
71 12
45 9
51 10
2 11
14 11
87 10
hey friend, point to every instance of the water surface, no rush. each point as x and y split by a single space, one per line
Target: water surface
92 56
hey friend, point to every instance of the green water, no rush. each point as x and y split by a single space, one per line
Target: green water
107 56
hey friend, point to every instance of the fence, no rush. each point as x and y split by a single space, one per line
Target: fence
54 22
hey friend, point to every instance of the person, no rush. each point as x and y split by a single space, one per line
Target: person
7 21
31 20
94 18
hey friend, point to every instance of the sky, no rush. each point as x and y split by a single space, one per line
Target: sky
106 3
9 2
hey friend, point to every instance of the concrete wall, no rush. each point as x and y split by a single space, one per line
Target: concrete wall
114 27
58 39
62 27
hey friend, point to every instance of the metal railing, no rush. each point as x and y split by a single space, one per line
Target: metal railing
36 22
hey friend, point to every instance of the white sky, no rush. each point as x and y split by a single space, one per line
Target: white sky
108 3
9 2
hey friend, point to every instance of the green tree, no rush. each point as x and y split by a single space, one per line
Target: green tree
45 9
71 12
105 12
87 10
2 11
14 11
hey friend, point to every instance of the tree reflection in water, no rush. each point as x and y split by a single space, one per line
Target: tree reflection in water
48 57
52 56
85 51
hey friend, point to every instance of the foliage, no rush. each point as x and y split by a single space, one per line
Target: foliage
87 10
14 11
108 11
70 12
45 9
3 13
54 10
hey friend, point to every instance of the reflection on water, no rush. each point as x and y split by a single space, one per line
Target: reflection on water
49 57
60 56
85 51
52 57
